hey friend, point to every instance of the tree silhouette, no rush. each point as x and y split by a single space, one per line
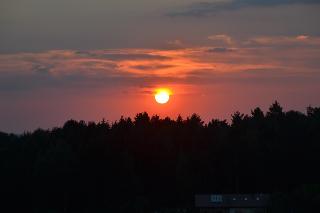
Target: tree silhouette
149 164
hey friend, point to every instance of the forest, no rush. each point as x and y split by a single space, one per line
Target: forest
148 163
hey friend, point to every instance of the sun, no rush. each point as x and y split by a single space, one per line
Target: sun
162 95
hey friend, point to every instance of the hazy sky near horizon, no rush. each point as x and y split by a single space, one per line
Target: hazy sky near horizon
94 59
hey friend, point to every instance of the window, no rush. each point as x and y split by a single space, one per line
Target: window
216 198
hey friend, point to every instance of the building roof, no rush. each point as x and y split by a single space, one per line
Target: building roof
232 200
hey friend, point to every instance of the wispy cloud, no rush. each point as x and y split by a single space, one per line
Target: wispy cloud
207 8
298 56
222 38
220 50
175 43
302 40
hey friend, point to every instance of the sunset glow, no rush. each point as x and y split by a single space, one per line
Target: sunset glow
106 59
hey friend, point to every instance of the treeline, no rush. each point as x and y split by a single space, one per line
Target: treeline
149 163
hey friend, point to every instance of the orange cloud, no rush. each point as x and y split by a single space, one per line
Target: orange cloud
139 67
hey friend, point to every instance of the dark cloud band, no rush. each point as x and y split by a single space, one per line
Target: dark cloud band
214 7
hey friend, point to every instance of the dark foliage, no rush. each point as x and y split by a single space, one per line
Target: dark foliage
151 163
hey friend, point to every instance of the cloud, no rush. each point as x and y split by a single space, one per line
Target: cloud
121 55
91 69
176 43
221 38
302 37
43 69
297 57
215 6
152 67
219 50
284 41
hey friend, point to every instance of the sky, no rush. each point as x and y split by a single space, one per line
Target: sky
94 59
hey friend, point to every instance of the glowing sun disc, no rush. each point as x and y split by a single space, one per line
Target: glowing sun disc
162 96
